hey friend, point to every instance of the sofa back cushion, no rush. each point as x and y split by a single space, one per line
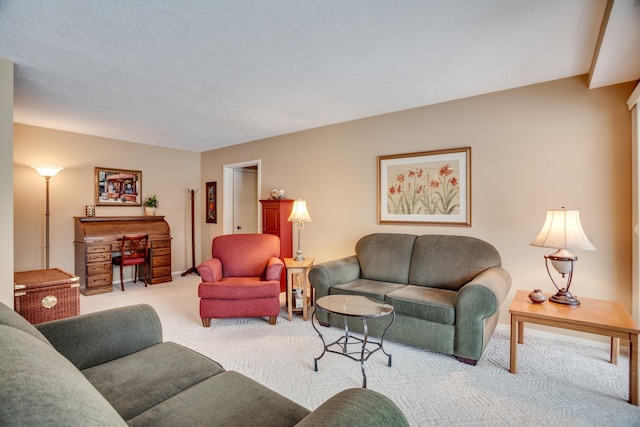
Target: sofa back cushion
42 388
448 262
245 255
385 257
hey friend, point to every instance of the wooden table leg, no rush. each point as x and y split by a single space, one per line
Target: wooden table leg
289 296
615 350
513 359
633 370
305 294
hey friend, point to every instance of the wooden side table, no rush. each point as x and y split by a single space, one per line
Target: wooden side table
600 317
300 269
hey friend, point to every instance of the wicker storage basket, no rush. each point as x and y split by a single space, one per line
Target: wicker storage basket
44 295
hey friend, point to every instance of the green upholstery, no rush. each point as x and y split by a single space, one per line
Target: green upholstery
111 368
446 290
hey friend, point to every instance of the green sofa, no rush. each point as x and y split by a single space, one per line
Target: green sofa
111 368
446 290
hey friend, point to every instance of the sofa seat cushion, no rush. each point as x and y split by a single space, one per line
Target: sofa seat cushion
39 387
227 399
139 381
239 288
367 288
432 304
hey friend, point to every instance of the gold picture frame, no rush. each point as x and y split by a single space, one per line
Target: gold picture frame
117 187
429 187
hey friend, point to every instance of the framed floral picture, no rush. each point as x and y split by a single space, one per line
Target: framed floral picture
212 202
431 187
117 187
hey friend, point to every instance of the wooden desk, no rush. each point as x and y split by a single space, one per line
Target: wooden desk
96 239
301 269
594 316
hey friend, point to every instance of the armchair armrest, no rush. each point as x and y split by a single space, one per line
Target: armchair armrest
477 309
210 270
323 276
274 268
356 407
95 338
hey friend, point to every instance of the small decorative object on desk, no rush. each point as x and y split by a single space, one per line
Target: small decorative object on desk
277 193
537 297
90 210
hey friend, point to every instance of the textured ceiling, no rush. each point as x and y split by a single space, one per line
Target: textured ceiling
203 74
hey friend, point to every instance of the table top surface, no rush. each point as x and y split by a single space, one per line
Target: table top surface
292 263
589 312
354 305
39 278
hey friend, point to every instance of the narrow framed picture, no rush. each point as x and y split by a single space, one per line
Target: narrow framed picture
429 187
212 202
117 187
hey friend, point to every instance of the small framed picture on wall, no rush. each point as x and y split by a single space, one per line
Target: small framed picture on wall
212 202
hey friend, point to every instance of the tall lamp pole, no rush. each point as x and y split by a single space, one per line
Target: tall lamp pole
47 172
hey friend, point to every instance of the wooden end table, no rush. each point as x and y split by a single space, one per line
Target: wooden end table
592 315
298 268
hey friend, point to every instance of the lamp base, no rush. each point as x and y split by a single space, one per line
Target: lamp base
298 256
564 297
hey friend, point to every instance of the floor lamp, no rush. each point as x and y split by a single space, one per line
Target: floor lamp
47 172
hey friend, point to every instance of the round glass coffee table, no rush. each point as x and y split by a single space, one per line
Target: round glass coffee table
353 306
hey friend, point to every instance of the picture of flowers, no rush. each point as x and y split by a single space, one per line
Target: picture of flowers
431 187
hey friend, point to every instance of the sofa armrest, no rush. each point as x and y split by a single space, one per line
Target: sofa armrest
477 301
274 268
324 276
356 407
95 338
210 270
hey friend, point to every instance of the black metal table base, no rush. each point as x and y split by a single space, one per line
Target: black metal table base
346 343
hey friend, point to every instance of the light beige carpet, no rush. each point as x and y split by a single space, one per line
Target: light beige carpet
558 383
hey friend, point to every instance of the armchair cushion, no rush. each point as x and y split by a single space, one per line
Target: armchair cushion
245 255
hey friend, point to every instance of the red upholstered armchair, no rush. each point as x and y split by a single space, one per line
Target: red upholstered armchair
242 279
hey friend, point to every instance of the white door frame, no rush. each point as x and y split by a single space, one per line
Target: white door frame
227 194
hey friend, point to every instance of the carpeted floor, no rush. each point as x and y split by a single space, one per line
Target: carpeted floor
558 383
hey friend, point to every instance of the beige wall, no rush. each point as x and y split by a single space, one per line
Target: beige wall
165 172
6 177
533 148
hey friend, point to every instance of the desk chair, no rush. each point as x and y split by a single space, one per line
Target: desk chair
133 251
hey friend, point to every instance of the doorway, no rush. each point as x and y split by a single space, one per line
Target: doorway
241 208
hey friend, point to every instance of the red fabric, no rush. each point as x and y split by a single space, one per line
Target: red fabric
240 288
210 270
220 309
243 277
245 254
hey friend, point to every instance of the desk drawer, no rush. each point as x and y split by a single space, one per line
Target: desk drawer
91 249
161 251
98 281
161 271
98 269
98 257
161 244
161 261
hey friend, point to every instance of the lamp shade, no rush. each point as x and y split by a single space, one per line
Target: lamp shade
299 213
562 230
47 170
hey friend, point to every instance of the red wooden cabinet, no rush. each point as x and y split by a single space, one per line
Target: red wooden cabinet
274 221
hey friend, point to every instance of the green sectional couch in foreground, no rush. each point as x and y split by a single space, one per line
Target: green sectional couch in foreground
111 368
